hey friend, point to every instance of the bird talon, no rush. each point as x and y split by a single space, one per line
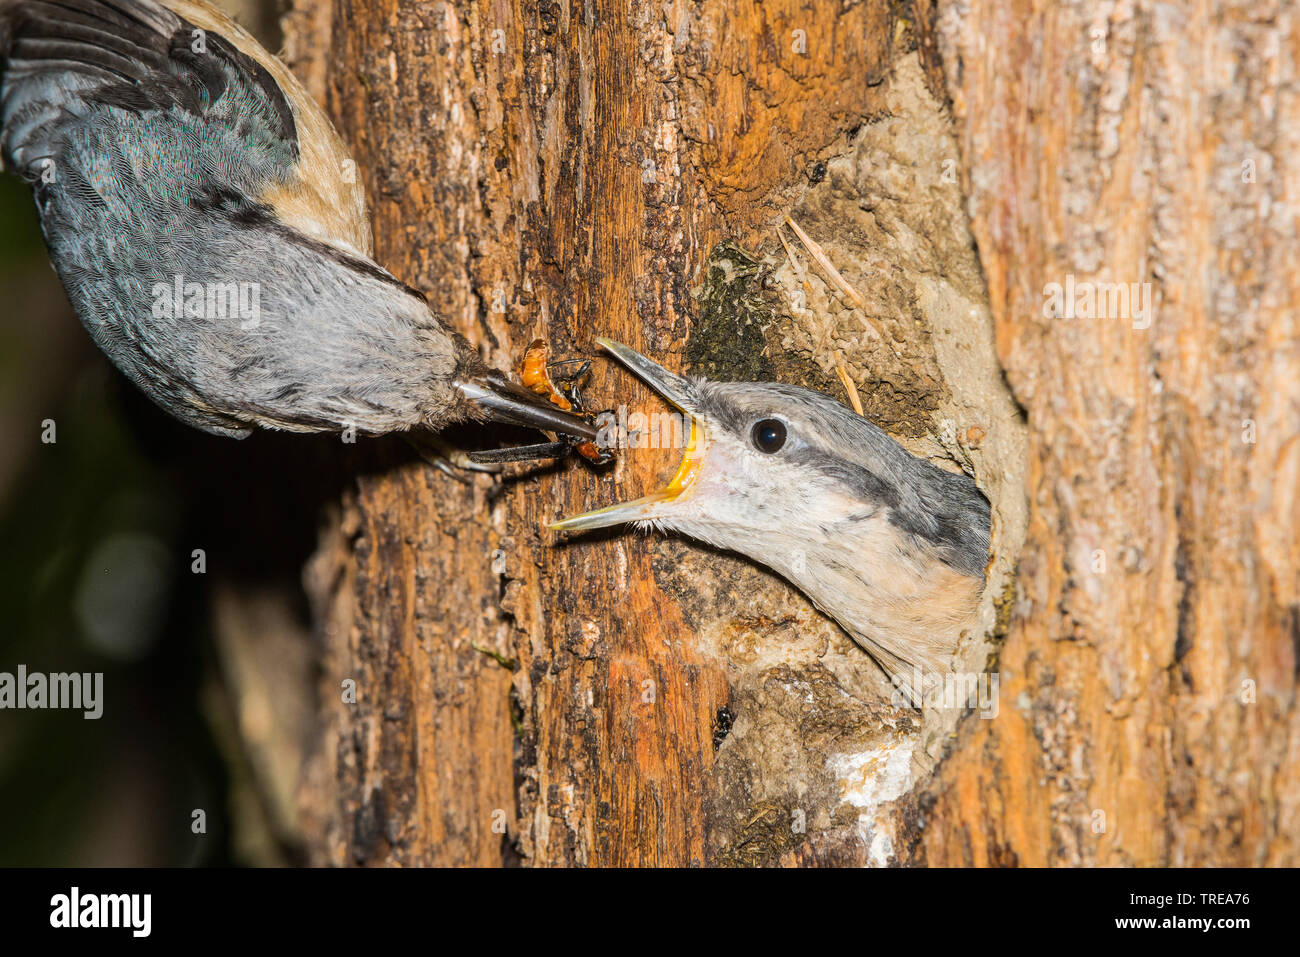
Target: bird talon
449 459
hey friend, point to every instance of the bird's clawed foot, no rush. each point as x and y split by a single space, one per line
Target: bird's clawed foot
485 458
451 460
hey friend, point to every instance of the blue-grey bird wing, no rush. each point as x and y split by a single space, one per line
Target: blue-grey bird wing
232 288
120 114
64 61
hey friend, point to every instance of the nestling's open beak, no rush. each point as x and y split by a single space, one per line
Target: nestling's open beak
676 391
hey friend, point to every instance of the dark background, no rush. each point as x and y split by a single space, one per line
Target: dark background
97 533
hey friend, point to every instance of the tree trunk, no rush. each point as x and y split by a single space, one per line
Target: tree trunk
1151 664
621 168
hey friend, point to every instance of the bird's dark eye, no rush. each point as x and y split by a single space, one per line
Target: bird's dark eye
768 435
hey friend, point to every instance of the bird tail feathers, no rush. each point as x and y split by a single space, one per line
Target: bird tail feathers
51 53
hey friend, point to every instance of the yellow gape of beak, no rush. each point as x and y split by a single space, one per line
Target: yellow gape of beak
689 470
642 509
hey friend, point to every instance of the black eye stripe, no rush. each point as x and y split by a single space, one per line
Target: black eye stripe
768 435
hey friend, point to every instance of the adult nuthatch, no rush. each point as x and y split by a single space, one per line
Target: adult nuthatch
210 232
890 546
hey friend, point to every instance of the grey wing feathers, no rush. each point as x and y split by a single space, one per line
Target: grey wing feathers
59 59
155 150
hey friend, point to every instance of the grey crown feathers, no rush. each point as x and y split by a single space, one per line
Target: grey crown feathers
942 511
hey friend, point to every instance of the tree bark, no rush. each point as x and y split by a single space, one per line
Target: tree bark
1152 658
621 168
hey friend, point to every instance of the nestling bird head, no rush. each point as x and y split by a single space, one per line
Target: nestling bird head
890 545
